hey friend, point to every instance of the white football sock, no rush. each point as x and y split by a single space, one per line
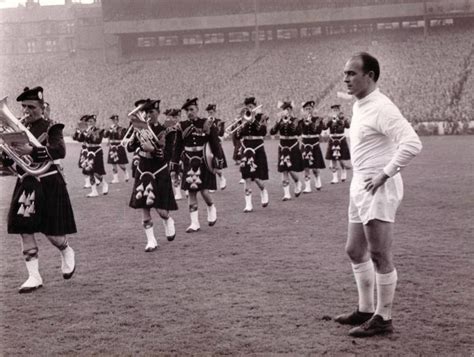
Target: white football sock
364 274
386 284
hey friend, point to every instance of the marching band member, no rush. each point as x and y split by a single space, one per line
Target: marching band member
338 150
117 155
40 203
153 187
191 136
173 116
290 160
81 127
94 163
311 127
253 163
220 125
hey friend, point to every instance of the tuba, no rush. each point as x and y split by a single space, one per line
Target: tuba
11 125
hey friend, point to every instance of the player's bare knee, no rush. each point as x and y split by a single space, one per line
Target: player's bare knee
355 254
382 260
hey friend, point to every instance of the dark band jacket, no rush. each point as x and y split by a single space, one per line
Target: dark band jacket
164 145
337 126
49 134
192 135
314 127
115 133
254 128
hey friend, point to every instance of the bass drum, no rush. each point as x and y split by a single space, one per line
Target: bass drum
208 158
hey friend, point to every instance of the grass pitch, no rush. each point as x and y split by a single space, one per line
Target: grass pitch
256 283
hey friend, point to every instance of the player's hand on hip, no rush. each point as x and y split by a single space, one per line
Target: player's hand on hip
373 183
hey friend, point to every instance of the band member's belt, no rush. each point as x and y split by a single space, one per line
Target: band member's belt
310 136
93 146
283 137
54 172
115 142
288 147
252 137
193 148
337 136
142 173
94 150
145 154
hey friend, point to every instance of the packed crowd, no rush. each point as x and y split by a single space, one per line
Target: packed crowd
147 9
430 78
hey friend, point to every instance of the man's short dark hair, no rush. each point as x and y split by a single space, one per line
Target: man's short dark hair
369 63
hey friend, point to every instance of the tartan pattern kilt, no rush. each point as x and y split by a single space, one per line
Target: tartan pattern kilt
94 162
289 156
312 154
153 187
196 176
337 149
253 160
117 155
41 207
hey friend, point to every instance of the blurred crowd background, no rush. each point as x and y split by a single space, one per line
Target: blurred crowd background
429 78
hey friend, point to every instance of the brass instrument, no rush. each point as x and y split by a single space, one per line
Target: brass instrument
10 124
135 113
23 118
246 116
140 126
284 116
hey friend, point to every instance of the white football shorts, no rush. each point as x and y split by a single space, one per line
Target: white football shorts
364 206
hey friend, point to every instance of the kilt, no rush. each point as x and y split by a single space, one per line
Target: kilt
117 155
196 176
253 160
337 148
94 163
153 187
289 156
82 156
41 206
312 154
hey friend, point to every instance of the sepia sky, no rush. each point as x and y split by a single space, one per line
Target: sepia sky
15 3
